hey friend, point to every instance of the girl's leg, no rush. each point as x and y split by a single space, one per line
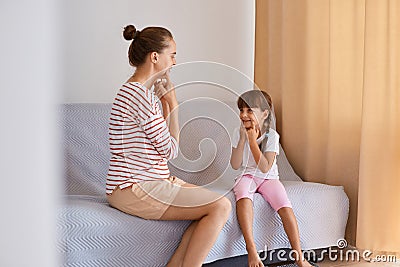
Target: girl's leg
244 211
210 210
274 192
244 191
292 231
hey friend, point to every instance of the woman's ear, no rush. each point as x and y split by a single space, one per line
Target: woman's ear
154 57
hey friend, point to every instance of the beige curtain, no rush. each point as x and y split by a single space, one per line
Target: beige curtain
333 70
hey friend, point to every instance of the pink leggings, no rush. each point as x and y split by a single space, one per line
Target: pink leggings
272 191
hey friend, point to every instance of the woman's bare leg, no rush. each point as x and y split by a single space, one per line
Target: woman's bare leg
292 231
179 254
244 211
210 210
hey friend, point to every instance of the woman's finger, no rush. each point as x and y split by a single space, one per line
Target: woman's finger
167 79
168 83
159 90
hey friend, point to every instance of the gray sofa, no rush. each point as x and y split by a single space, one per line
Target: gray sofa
91 233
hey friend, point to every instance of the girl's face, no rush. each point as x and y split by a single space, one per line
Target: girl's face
166 59
251 117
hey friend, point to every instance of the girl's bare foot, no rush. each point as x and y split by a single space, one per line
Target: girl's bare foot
254 260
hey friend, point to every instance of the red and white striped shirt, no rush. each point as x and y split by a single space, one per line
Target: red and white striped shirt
139 138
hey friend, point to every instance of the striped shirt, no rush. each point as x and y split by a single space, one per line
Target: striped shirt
139 138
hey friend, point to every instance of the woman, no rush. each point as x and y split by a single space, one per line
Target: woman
142 140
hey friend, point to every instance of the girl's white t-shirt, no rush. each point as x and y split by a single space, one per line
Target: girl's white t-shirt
249 165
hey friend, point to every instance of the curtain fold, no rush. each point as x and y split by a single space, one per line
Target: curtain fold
379 198
332 68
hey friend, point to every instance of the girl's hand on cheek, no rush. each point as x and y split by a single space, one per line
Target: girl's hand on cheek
252 132
243 132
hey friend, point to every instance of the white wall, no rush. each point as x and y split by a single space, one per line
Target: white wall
76 46
28 156
96 54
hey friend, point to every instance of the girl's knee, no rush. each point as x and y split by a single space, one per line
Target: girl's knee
284 210
243 199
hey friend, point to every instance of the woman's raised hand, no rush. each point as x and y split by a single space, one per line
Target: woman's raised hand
164 89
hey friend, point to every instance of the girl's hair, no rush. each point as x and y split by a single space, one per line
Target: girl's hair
150 39
257 99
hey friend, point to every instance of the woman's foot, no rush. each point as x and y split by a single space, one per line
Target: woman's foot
254 260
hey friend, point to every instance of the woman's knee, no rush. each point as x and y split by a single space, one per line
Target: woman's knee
222 206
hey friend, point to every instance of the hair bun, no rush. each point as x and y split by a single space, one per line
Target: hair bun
130 32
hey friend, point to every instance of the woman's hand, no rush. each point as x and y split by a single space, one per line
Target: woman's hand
165 90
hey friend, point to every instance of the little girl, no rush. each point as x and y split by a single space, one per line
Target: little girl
254 149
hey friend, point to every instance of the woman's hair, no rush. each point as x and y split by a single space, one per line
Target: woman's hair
150 39
257 99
